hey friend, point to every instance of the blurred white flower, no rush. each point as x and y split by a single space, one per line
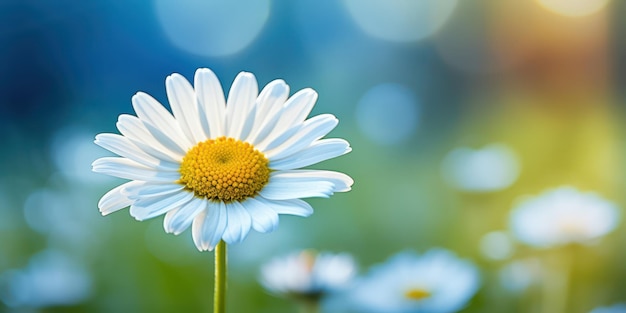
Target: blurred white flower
496 245
50 279
308 275
436 282
519 275
492 168
561 216
616 308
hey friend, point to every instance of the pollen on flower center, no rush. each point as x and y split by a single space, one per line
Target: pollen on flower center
224 169
416 294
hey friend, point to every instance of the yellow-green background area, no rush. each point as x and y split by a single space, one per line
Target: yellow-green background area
514 72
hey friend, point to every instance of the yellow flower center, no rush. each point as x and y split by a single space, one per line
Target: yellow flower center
417 294
224 169
573 228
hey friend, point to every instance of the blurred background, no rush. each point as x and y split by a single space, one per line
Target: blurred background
454 109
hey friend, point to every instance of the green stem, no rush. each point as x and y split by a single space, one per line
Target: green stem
557 282
219 297
309 307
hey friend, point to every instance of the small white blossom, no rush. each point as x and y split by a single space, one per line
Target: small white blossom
435 282
309 275
616 308
562 216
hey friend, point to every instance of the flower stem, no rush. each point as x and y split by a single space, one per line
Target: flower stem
556 283
309 307
219 297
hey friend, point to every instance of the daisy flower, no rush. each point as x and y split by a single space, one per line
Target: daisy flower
435 282
562 216
221 166
519 275
616 308
307 275
491 168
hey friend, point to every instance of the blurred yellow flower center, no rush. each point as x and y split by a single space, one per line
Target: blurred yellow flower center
573 228
308 260
417 294
224 169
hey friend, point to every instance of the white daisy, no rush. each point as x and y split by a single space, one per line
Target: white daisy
436 282
307 275
221 166
493 167
519 275
561 216
616 308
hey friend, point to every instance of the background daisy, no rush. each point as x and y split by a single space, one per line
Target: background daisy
308 276
436 282
561 216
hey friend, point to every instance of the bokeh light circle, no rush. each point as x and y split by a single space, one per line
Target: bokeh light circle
491 168
469 42
496 245
210 27
520 274
51 279
400 20
73 151
388 114
574 8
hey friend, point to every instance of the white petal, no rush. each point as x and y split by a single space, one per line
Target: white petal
288 186
292 115
240 104
277 139
196 231
115 200
129 169
150 110
122 146
145 208
163 138
135 130
300 105
217 231
341 181
313 129
177 220
209 225
319 151
260 141
248 123
264 219
212 102
294 184
269 104
272 98
293 206
239 223
149 190
184 104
